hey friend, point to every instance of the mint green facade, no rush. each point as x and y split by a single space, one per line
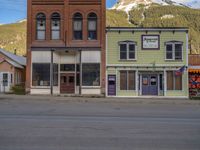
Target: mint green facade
146 62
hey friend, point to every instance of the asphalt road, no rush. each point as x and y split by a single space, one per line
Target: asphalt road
67 125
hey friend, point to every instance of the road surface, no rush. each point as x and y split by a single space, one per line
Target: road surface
66 125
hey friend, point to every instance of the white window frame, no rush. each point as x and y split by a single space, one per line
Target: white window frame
38 19
173 51
53 37
127 50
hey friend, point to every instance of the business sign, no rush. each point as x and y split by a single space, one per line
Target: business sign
150 42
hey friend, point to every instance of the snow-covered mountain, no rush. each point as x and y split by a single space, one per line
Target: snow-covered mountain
127 5
194 4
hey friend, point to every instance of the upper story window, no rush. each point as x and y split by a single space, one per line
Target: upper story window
55 26
41 26
127 50
92 26
77 26
174 50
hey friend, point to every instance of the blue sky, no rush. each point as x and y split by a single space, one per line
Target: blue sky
15 10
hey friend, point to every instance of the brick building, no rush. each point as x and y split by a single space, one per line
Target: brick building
66 47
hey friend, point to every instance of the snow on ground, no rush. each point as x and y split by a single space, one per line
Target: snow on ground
20 21
167 17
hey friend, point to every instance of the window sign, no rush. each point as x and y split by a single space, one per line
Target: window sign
153 81
150 42
145 80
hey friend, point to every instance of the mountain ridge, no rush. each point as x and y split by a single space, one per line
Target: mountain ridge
13 36
156 15
127 5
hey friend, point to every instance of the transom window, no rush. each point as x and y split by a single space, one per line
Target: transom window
67 67
127 50
174 50
77 26
55 26
40 26
92 26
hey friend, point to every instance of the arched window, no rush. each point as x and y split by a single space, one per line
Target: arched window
92 26
77 26
55 26
41 26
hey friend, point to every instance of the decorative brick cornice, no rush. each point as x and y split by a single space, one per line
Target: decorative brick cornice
47 2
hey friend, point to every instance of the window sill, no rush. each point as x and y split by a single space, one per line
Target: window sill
127 59
172 60
78 40
174 90
89 87
42 87
128 90
92 40
40 40
56 40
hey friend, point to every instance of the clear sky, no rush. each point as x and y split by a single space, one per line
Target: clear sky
15 10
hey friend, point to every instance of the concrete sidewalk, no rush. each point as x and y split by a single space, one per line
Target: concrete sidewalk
100 100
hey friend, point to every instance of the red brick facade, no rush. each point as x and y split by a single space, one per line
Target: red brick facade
66 9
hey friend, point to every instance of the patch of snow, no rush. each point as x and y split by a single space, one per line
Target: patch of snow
143 17
128 18
127 5
161 2
20 21
167 17
124 7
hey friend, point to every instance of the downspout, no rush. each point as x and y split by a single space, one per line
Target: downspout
80 86
187 62
51 71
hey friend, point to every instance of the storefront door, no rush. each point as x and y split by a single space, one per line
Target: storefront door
149 84
67 83
112 85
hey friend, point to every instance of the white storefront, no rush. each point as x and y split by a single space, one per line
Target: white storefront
66 72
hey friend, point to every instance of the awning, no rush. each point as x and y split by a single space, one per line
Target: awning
194 71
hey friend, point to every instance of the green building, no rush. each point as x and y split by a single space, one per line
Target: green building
147 62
